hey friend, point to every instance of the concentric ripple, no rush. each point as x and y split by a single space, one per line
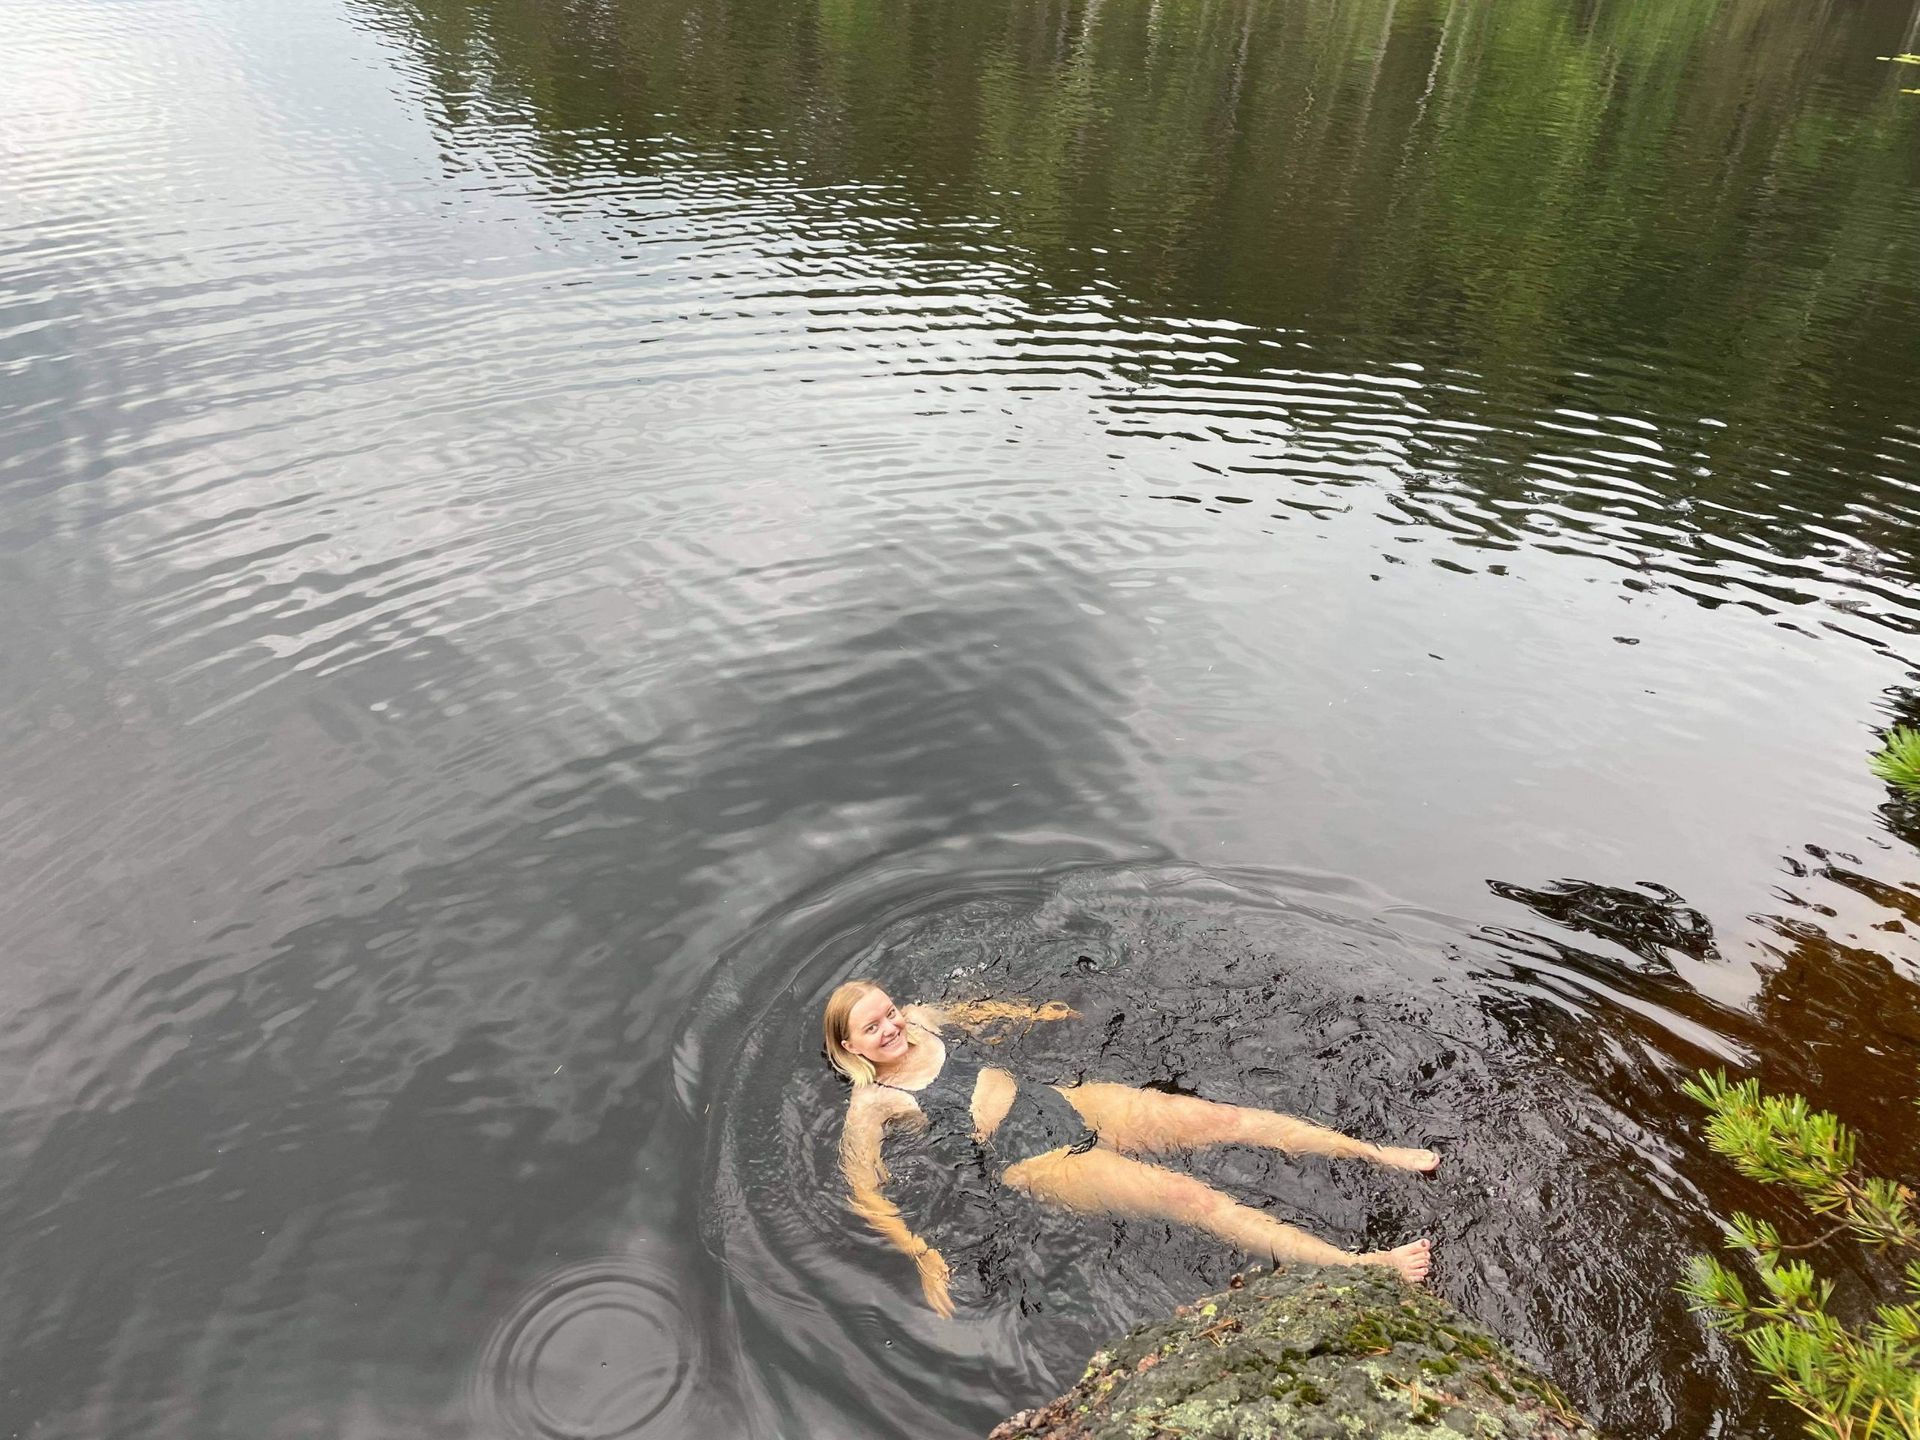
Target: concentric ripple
597 1351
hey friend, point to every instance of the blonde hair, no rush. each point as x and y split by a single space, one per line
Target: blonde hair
833 1029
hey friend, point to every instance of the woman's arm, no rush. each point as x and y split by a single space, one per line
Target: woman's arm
974 1016
866 1173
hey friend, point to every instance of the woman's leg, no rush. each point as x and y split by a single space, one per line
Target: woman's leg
1099 1182
1151 1122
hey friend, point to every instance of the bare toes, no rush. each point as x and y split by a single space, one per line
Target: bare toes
1413 1260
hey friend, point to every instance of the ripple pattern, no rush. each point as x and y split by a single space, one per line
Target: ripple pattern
598 1351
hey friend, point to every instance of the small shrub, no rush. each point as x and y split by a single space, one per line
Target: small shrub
1849 1384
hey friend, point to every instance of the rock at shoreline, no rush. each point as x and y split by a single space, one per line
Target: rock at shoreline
1307 1353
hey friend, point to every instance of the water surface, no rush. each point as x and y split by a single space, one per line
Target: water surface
1365 545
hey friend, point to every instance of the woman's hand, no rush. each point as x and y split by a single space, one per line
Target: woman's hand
933 1281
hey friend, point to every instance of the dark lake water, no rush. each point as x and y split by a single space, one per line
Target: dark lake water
1363 544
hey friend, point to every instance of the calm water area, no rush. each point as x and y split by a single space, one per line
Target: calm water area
1363 543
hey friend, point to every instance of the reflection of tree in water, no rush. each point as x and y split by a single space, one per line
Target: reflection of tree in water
1552 212
1649 920
1834 1021
1840 1023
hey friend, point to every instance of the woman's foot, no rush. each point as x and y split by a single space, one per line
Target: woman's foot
1423 1161
1413 1260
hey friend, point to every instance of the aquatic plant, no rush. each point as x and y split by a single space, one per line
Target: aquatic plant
1898 762
1849 1383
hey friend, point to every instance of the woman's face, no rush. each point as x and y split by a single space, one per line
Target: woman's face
876 1030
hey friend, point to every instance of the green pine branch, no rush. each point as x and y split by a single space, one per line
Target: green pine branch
1847 1384
1898 761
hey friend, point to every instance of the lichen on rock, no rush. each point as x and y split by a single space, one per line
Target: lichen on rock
1307 1353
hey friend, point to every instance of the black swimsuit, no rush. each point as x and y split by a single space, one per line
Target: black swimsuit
1039 1120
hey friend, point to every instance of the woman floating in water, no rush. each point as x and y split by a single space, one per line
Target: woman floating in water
1067 1147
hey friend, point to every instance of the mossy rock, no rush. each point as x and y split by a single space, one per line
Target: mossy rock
1307 1353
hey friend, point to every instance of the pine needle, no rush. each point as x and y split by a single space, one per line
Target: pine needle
1898 762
